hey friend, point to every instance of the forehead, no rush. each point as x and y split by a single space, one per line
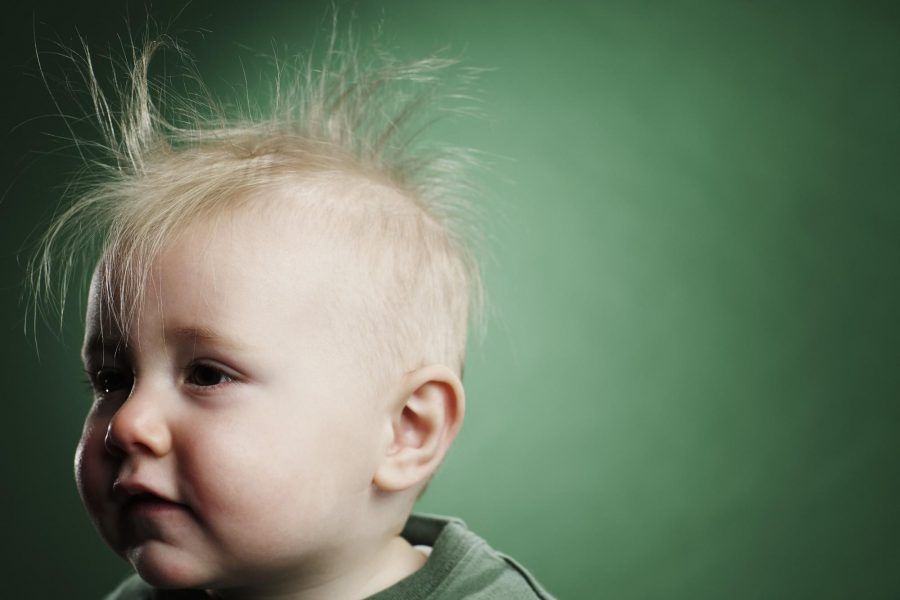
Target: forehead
243 275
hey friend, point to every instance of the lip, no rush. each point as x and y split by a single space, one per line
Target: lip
140 498
150 505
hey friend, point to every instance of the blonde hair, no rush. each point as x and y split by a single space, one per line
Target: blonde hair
354 121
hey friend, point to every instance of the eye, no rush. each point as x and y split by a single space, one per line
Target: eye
109 381
204 375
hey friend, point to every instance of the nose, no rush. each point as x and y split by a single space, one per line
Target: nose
139 426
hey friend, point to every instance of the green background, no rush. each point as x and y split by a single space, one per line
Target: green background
689 386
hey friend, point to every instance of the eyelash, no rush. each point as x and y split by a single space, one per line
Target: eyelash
192 370
98 380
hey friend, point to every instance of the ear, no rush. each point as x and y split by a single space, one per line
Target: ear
425 418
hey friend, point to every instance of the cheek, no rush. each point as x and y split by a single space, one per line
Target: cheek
297 472
253 470
257 496
92 469
94 474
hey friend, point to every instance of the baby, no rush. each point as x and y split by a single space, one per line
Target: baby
275 339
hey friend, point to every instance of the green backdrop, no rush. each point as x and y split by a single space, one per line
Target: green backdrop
689 386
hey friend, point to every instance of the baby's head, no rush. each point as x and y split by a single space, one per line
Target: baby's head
275 335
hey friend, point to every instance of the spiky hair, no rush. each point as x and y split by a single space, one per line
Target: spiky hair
167 160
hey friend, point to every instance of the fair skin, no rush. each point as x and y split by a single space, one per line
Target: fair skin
234 444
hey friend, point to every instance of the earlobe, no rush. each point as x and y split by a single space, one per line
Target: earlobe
426 417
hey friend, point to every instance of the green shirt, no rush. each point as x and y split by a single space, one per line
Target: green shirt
461 565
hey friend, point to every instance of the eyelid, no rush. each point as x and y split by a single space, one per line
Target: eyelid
107 359
214 364
230 374
91 376
94 379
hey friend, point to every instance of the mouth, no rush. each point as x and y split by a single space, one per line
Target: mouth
149 504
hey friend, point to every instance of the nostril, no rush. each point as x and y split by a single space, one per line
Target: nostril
137 427
111 444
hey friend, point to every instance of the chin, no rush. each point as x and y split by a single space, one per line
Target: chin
166 568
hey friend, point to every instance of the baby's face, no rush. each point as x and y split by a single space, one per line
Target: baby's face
233 438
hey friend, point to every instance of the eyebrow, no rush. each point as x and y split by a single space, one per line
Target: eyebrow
100 344
187 334
200 333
